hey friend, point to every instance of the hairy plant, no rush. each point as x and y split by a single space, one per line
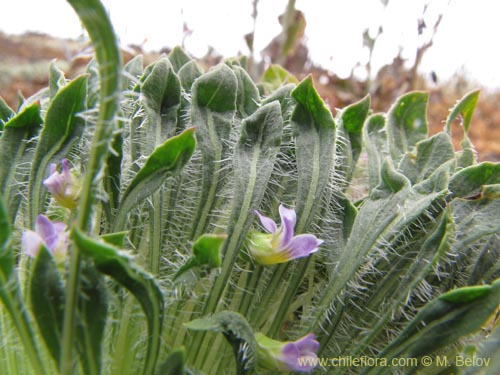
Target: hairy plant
139 220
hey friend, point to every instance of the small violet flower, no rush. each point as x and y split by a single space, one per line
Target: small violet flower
65 186
280 245
52 235
297 356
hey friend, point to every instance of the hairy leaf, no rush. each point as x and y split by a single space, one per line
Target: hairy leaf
407 123
110 261
61 129
47 300
167 159
237 332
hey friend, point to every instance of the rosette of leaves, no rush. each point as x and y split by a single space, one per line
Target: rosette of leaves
174 162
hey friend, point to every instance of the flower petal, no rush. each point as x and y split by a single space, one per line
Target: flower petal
291 354
288 220
267 223
31 243
303 245
307 344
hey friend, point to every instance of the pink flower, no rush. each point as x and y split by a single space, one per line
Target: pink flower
280 245
64 187
52 235
299 356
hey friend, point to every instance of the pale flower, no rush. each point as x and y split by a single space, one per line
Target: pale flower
52 235
280 245
65 186
297 356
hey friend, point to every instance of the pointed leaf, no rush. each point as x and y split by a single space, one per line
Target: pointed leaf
248 98
13 142
167 160
375 142
131 72
178 57
432 153
206 252
61 129
237 332
56 79
442 321
254 158
161 92
174 364
469 181
5 113
110 261
91 323
47 300
6 253
465 107
276 76
349 137
407 123
315 136
189 73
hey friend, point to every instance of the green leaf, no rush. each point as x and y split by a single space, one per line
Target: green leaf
489 349
116 239
161 92
113 172
47 300
213 109
432 153
216 90
465 107
349 137
391 181
56 79
413 256
314 129
6 253
237 332
13 142
174 364
61 129
206 252
189 73
178 57
5 113
28 117
407 123
375 142
167 160
248 98
442 321
131 72
110 261
91 323
276 76
468 182
465 295
254 158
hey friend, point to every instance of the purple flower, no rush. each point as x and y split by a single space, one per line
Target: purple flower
52 235
280 245
64 187
299 356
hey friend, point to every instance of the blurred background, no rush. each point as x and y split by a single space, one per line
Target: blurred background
351 48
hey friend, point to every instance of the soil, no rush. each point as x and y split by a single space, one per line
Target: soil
24 61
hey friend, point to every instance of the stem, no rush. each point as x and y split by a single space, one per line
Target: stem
94 17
